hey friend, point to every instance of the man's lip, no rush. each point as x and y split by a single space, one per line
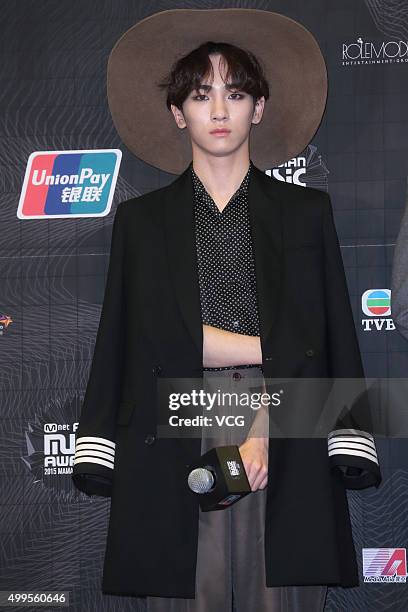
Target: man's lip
219 131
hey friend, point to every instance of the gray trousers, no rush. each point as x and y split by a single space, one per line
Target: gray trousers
230 574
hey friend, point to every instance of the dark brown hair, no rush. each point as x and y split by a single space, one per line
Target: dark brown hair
244 71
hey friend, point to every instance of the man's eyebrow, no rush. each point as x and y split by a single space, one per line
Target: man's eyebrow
226 85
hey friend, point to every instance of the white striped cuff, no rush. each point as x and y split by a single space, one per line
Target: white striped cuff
352 442
90 449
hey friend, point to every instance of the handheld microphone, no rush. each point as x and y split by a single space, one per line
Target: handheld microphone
219 478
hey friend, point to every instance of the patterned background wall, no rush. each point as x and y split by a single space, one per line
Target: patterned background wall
53 270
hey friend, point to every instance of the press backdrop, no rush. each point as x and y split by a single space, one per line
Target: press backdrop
53 269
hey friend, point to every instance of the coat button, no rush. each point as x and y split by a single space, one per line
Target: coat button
237 375
149 439
157 370
310 352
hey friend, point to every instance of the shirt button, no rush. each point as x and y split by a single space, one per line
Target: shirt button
157 370
237 375
236 323
310 352
150 439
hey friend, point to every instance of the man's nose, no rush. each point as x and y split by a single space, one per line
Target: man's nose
219 109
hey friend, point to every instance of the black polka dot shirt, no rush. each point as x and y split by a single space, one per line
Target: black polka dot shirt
226 268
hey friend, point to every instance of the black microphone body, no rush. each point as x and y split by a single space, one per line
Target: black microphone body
224 481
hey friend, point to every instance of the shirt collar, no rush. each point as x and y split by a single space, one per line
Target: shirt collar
200 190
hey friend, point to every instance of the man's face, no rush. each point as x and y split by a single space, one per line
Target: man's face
216 106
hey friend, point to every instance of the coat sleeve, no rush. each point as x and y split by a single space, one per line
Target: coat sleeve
351 445
95 437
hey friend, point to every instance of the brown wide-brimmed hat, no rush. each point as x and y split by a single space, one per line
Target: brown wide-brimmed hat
289 54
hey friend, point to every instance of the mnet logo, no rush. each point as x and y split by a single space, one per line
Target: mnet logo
59 184
376 304
384 564
59 448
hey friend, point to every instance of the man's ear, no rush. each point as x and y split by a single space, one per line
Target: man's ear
178 116
258 110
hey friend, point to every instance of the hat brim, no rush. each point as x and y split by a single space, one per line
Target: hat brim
290 55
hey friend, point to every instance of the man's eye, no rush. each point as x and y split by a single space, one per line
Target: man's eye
232 94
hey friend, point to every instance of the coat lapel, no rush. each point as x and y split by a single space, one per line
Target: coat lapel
266 226
181 252
265 211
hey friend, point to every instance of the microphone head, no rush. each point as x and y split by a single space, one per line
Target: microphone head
200 480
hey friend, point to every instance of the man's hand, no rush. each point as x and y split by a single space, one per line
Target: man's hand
254 453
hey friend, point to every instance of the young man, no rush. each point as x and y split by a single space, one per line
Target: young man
215 276
221 159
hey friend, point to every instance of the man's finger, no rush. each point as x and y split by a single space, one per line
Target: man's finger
264 483
256 476
261 478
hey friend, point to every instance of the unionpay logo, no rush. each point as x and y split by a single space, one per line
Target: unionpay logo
61 184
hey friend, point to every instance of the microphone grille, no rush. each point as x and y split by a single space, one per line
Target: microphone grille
200 480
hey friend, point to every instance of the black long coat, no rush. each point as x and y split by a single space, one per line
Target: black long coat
151 327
